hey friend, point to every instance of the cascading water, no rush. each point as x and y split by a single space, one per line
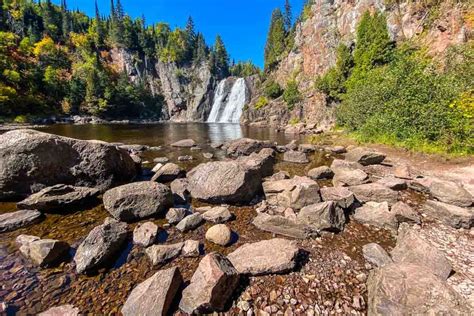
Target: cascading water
228 110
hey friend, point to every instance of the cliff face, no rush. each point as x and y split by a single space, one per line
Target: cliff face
331 22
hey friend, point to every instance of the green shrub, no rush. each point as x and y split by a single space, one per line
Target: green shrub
273 90
20 119
291 95
261 102
293 121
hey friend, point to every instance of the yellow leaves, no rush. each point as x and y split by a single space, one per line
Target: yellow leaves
45 46
80 41
7 41
6 93
465 104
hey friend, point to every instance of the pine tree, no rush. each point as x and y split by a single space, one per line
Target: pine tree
190 37
276 39
201 52
66 20
221 57
288 16
99 28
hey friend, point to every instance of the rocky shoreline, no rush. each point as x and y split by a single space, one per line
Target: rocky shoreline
95 231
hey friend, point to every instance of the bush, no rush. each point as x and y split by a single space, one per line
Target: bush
20 119
291 95
261 102
273 90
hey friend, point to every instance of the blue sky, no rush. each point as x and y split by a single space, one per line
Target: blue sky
243 24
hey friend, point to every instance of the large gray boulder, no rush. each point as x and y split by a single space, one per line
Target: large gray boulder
138 200
452 215
14 220
60 197
374 192
184 143
32 160
276 255
190 222
145 234
376 255
295 157
169 172
216 215
233 182
378 215
320 173
450 192
296 193
211 287
341 195
365 156
155 295
102 243
246 146
281 225
324 216
160 254
348 177
45 252
407 289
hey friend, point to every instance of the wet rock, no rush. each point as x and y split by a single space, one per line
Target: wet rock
44 252
374 192
14 220
280 225
265 257
377 214
217 215
295 193
185 143
321 173
295 157
454 216
176 215
376 255
406 289
60 196
64 310
246 146
161 160
234 182
219 234
155 295
211 287
32 160
159 254
185 158
393 183
168 173
325 216
208 155
190 222
348 177
145 234
179 188
281 175
365 156
307 148
102 243
157 167
405 214
412 249
342 196
190 248
450 192
137 200
134 148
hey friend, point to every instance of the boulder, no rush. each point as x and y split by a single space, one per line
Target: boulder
190 248
157 167
454 216
293 145
365 156
176 215
402 171
14 220
347 177
406 289
32 160
307 148
60 197
412 249
338 164
295 193
161 160
281 175
321 173
261 162
138 200
376 255
324 216
208 155
281 225
100 245
45 252
217 215
168 173
405 214
219 234
134 148
160 254
211 287
155 295
185 158
234 182
185 143
190 222
246 146
374 192
295 157
145 234
450 192
64 310
179 188
336 149
341 195
25 239
393 183
276 255
378 215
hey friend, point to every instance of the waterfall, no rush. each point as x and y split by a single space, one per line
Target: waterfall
228 110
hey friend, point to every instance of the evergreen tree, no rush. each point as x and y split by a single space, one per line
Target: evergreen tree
221 57
276 40
99 28
190 37
201 51
288 16
66 21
